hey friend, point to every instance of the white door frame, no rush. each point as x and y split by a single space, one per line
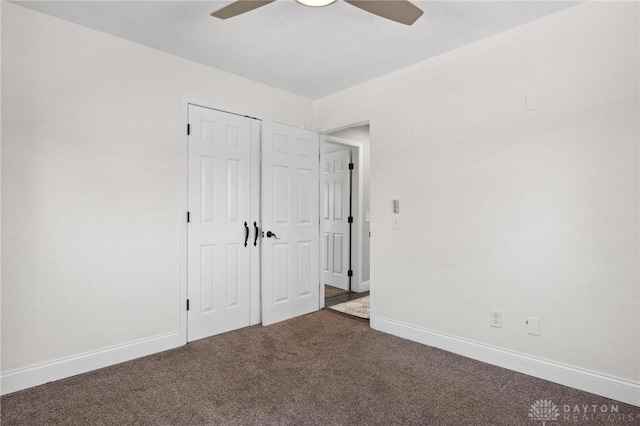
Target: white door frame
324 135
357 157
183 208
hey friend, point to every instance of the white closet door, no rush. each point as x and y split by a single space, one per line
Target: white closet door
335 211
219 205
290 210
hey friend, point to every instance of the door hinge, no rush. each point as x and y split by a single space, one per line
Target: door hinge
188 217
187 304
350 273
350 166
350 219
188 129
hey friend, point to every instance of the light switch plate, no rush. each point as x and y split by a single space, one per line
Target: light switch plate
395 224
531 101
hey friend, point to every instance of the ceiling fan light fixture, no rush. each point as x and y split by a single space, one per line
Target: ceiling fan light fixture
402 11
316 3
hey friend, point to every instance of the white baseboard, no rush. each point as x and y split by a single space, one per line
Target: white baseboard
361 287
24 378
599 384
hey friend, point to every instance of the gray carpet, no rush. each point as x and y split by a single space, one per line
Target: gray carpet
319 369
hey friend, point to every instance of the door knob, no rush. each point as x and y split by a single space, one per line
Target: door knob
272 235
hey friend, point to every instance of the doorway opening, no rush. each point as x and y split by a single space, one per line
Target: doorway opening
345 217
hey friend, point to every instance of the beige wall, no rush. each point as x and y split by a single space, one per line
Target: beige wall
529 212
91 183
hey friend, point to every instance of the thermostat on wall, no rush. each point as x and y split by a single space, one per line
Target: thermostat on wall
396 206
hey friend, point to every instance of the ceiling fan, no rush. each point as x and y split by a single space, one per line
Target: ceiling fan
401 11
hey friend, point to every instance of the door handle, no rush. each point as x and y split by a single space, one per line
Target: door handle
272 235
255 240
246 233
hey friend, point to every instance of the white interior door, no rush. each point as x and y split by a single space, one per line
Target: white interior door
335 211
219 201
290 210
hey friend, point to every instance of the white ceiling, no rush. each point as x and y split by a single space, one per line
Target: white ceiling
309 51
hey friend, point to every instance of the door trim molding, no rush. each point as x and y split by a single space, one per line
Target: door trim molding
183 208
356 122
238 111
357 159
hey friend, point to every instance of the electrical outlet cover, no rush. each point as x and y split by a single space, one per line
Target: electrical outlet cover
533 326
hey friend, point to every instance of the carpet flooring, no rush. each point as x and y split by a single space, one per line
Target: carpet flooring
318 369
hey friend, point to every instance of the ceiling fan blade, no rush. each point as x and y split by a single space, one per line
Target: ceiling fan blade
401 11
239 7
